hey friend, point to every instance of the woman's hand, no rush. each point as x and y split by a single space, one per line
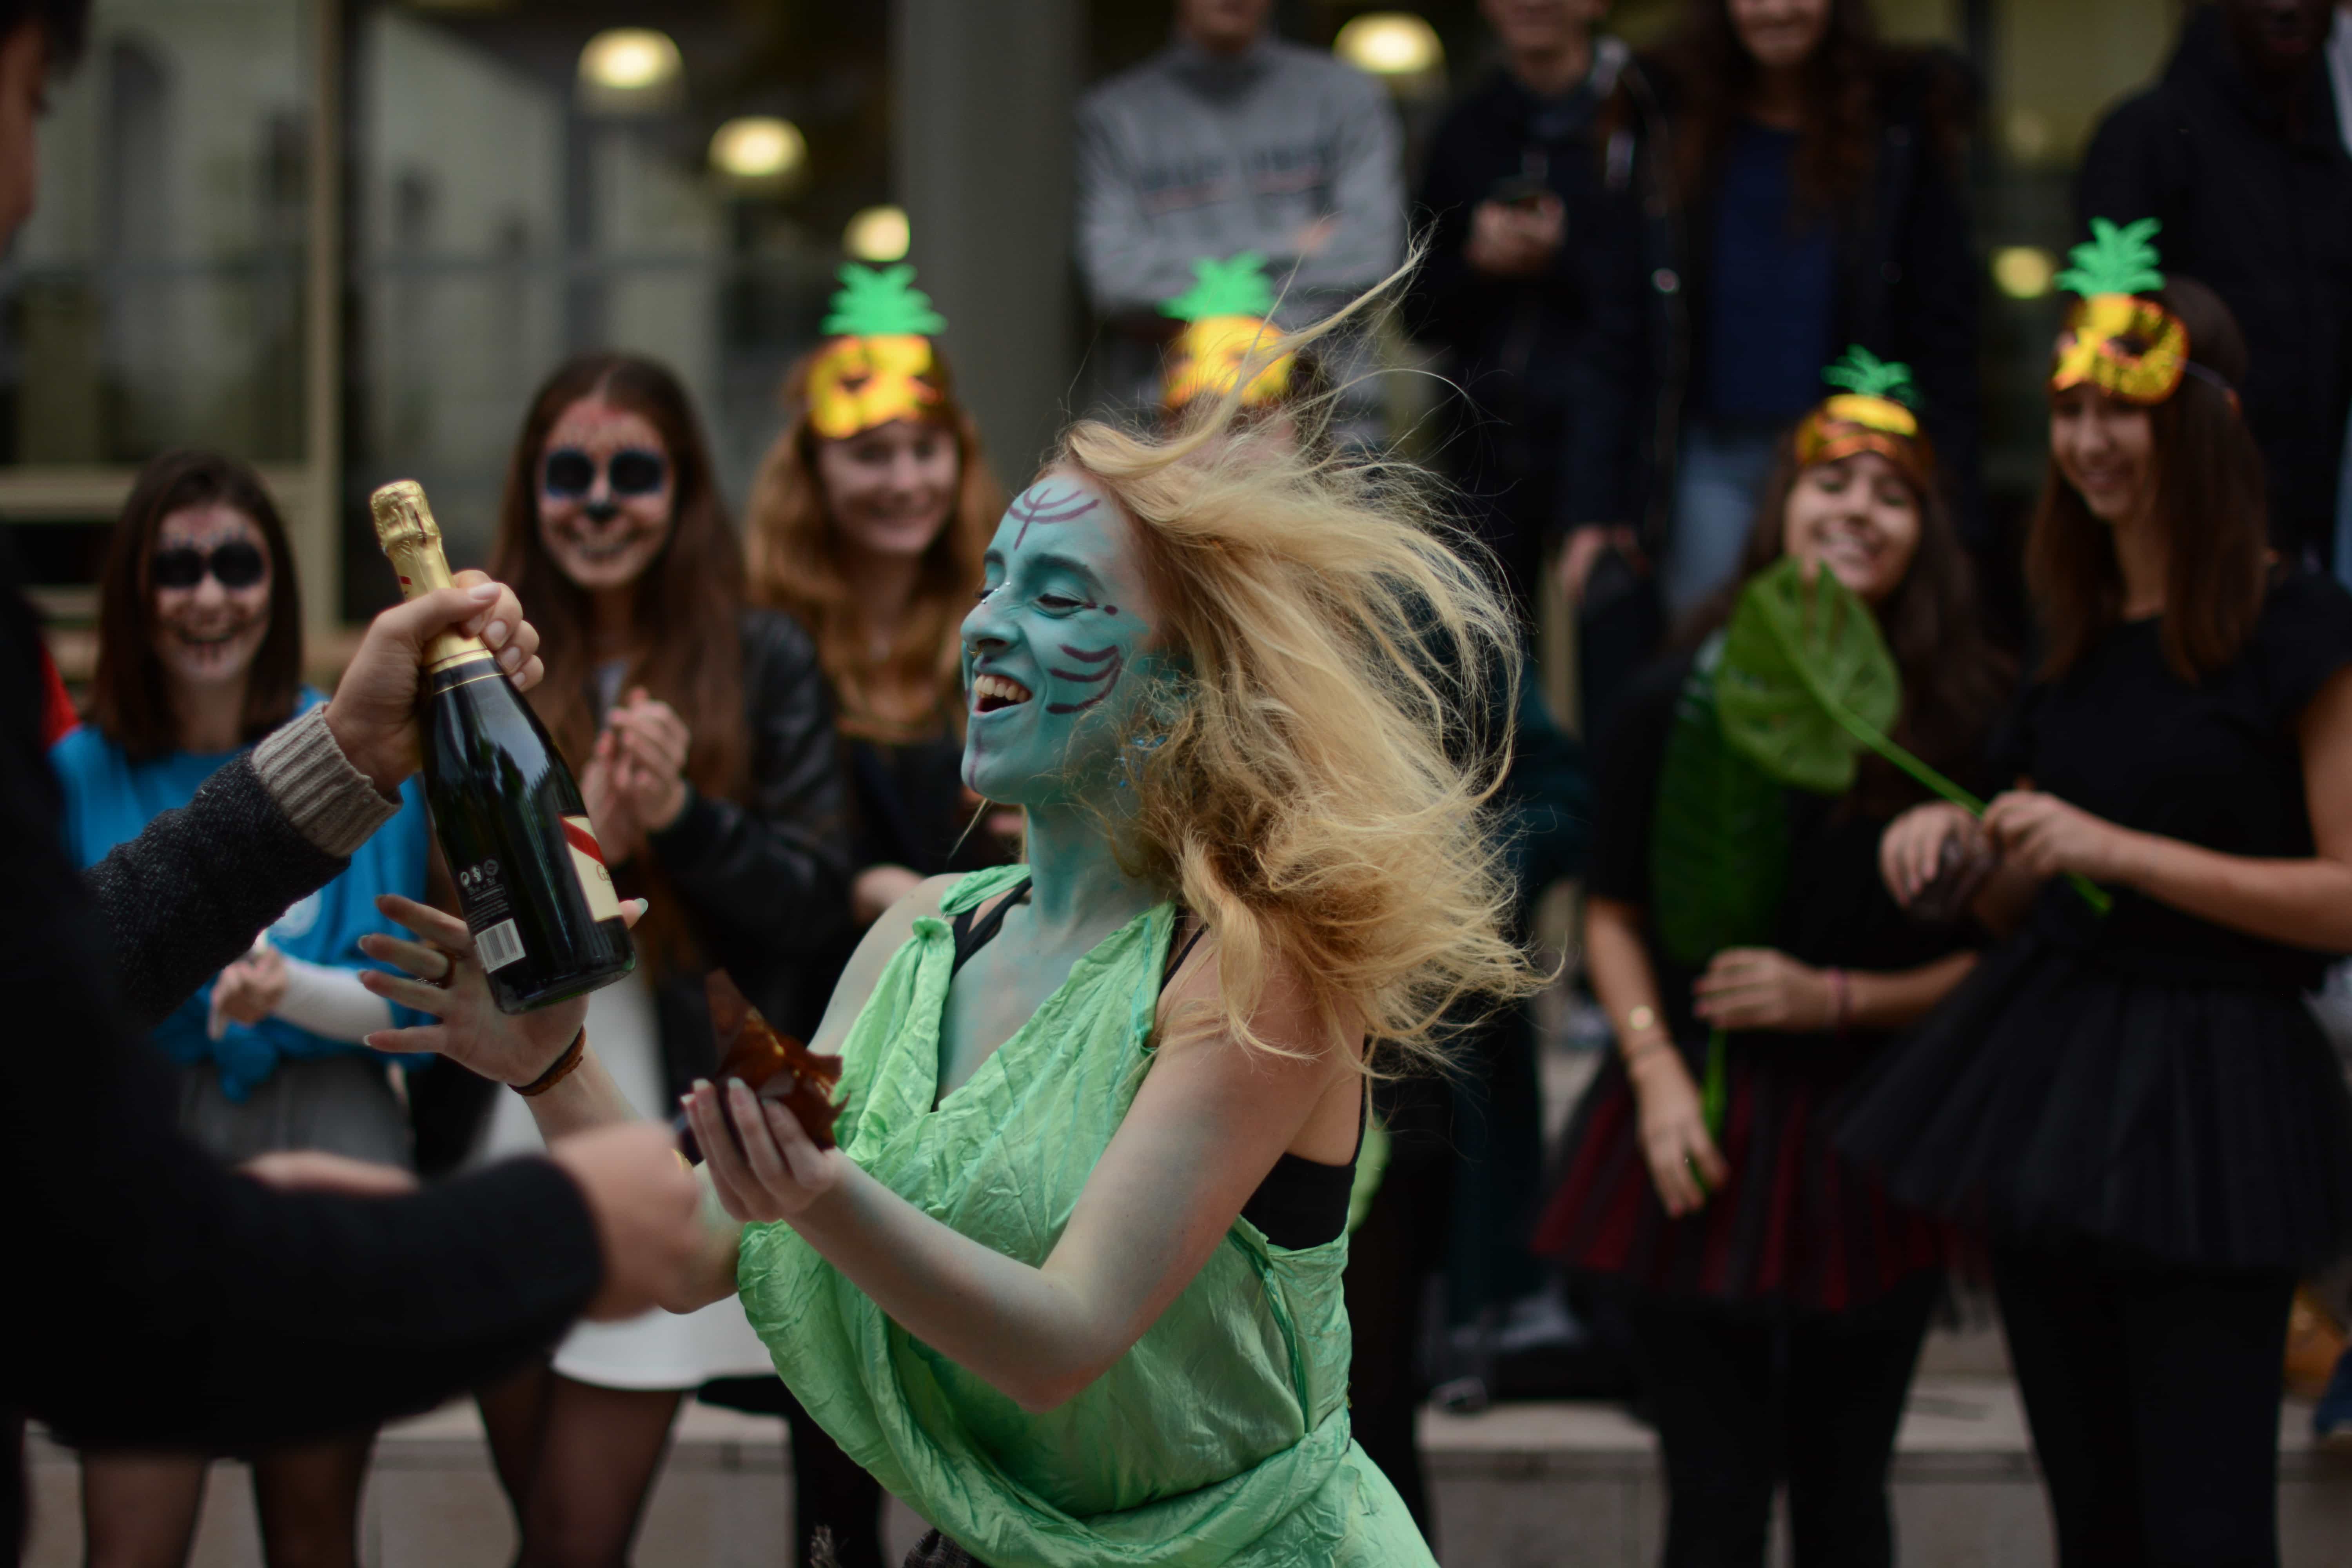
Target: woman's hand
249 989
777 1172
653 743
1756 988
1684 1162
372 716
1911 851
512 1049
2043 835
317 1171
617 832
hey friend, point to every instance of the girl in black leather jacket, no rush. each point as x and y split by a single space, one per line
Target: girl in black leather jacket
702 737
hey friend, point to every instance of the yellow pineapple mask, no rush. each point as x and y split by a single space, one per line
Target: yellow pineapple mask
880 367
1870 416
2126 346
1226 335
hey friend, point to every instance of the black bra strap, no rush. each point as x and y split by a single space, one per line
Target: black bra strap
1200 929
972 935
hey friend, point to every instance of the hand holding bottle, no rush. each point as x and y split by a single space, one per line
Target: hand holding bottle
449 986
373 714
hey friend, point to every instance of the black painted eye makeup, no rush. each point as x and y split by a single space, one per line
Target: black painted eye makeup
239 564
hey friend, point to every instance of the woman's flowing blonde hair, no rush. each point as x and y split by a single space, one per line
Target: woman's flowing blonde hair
1312 783
794 553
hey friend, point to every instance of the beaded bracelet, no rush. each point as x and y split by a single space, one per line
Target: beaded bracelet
561 1069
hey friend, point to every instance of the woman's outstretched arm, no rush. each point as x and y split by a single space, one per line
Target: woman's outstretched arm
1209 1123
518 1048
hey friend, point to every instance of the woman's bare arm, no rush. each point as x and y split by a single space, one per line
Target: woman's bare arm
1208 1124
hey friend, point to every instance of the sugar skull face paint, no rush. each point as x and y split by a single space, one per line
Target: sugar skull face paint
1057 652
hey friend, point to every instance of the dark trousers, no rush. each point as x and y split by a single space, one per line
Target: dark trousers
2154 1396
1743 1404
1391 1260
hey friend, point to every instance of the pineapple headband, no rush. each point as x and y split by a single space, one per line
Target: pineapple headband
881 367
2126 346
1224 312
1873 415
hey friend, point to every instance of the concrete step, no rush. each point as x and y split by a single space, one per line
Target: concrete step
1519 1486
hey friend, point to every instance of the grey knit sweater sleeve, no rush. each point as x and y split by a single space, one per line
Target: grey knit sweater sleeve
189 894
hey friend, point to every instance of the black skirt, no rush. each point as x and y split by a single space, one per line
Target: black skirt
2061 1094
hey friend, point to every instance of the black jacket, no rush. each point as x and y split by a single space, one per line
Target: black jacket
1588 356
2256 203
154 1297
765 882
1906 266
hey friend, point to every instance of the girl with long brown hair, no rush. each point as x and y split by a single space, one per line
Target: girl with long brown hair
697 728
1821 188
866 523
1777 1300
200 657
2138 1101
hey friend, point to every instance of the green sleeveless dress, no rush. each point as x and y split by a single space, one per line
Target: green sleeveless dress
1220 1437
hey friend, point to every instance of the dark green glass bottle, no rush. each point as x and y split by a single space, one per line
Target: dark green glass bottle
530 876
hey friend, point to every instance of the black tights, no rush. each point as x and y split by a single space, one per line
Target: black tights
2154 1396
1743 1404
139 1511
577 1462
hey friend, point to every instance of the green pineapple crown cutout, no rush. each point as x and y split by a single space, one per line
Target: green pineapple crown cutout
1865 374
2115 261
1232 288
875 302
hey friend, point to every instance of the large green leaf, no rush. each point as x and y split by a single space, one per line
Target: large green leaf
1718 831
1801 657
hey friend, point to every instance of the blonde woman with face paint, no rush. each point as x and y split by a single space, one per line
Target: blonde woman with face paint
200 656
1070 1282
2138 1103
1776 1300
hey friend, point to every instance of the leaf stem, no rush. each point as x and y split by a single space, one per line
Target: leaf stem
1863 730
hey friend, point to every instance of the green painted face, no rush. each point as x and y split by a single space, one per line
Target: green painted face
1056 654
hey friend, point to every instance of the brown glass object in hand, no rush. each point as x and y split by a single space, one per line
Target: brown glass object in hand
772 1065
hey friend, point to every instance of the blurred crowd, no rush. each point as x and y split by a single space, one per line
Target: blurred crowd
1632 269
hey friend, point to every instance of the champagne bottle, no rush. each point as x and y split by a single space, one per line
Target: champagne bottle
530 875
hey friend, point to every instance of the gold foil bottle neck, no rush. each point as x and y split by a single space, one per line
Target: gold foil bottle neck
411 540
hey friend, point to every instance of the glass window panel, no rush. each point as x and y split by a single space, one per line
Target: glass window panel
155 298
504 218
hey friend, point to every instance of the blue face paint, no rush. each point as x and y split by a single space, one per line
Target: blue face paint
1056 654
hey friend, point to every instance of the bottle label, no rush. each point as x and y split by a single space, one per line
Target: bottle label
496 942
588 865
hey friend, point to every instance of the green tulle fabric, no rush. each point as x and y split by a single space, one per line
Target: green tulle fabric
1221 1437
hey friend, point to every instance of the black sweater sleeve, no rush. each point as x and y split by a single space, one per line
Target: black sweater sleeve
187 895
156 1296
769 878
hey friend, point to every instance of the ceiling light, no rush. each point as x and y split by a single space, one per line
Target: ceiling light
758 151
627 70
877 234
2023 271
1389 44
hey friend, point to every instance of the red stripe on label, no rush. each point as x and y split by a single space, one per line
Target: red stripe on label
580 838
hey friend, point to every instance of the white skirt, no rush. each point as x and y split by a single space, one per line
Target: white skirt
658 1350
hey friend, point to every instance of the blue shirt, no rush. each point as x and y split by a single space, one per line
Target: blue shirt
1769 322
110 800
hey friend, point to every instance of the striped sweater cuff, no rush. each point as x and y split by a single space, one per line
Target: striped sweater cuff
330 802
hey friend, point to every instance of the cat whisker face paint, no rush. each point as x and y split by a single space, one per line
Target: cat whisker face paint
1056 654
